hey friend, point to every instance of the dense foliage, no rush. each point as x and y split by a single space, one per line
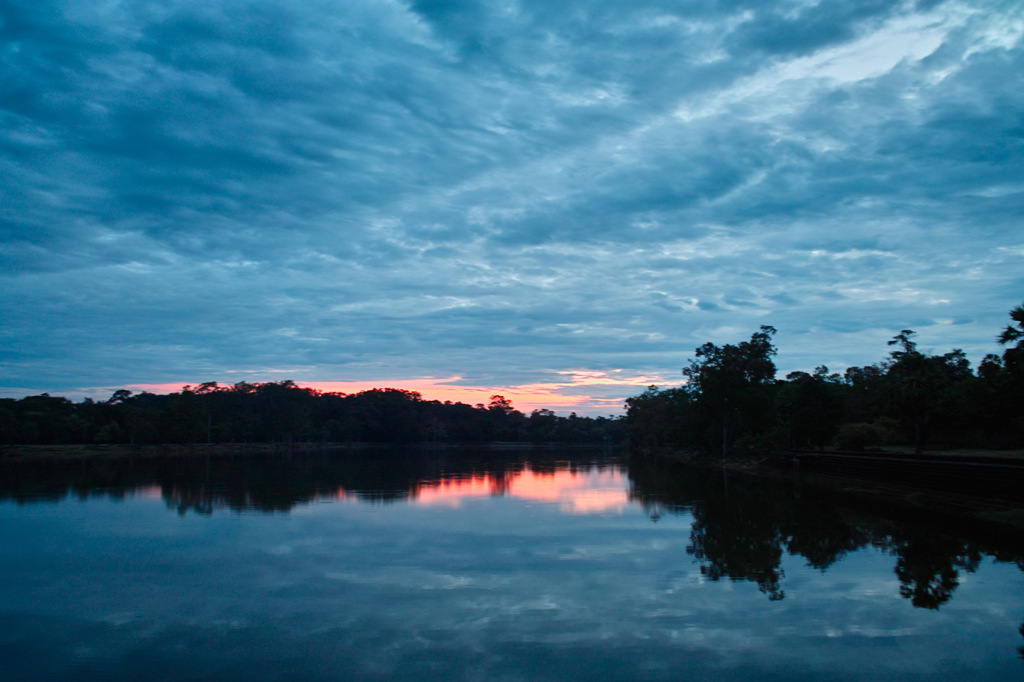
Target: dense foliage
283 412
732 403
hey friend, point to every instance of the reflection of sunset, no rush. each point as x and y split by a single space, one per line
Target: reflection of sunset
576 493
151 492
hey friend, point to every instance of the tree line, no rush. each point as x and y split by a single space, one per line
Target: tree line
733 405
282 412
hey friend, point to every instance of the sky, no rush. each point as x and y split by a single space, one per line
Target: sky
555 201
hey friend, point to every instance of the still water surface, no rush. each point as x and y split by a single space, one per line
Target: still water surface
532 566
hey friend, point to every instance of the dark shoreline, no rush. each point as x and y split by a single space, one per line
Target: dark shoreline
982 488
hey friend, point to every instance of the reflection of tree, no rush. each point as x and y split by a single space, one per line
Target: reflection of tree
278 483
657 484
737 528
928 566
739 537
926 586
821 534
501 483
740 530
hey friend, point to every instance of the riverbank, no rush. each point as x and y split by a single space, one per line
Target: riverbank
986 486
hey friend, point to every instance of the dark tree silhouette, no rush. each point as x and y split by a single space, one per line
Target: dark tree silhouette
921 384
811 407
661 418
1014 332
731 403
282 412
731 385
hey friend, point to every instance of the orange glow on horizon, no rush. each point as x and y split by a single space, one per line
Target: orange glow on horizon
573 394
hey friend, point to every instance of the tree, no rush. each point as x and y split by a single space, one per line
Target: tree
660 418
1003 382
119 396
732 387
922 385
282 412
1012 333
1013 356
812 407
501 404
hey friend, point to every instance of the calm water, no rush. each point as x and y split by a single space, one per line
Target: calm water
519 566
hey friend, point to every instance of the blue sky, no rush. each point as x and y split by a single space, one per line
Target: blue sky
559 201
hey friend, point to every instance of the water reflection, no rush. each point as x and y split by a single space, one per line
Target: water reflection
742 526
524 553
580 491
587 482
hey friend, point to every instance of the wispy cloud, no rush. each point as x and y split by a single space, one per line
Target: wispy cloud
389 191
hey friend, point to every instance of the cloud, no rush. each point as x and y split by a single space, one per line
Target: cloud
385 190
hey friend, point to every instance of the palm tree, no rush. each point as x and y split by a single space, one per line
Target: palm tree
1011 333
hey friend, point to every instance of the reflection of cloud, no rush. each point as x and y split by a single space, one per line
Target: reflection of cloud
153 492
450 492
574 493
596 501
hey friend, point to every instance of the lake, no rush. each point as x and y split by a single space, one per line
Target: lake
518 565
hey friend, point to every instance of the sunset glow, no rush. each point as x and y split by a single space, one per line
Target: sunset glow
593 492
582 391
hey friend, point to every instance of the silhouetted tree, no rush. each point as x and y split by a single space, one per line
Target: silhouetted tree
921 384
1014 332
661 418
282 412
811 407
731 386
